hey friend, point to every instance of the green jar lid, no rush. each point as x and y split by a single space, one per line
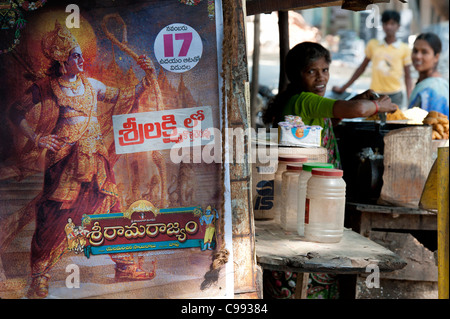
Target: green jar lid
309 166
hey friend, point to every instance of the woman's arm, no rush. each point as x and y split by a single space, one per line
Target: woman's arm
362 108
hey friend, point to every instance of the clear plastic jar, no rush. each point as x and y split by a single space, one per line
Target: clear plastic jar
289 191
283 161
303 180
325 206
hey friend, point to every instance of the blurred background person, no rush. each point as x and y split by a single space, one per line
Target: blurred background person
391 60
431 90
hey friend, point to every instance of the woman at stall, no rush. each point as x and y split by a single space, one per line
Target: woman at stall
307 69
431 90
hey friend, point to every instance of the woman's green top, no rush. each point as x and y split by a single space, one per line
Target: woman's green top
312 108
316 110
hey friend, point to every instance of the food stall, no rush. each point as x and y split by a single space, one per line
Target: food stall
386 165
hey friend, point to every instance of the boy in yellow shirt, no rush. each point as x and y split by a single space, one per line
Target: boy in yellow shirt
391 60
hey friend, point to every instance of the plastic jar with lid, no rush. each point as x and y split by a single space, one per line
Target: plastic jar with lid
325 206
283 161
303 180
289 197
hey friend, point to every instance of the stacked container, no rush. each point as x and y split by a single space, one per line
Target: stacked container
325 206
289 197
303 180
283 161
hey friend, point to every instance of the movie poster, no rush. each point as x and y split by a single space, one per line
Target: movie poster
111 176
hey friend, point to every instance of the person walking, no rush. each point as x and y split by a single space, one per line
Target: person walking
391 61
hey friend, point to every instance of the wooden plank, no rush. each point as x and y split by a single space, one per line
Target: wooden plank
386 221
267 6
301 291
254 85
428 199
443 222
235 79
395 210
286 251
283 33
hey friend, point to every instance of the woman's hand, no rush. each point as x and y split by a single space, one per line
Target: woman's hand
50 142
385 104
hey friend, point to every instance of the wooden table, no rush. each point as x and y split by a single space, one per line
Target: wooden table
277 249
409 232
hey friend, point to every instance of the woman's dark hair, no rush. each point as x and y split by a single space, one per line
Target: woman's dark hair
390 15
433 40
297 60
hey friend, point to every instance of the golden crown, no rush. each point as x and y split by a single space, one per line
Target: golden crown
57 44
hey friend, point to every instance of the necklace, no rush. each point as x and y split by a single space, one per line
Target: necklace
74 86
83 102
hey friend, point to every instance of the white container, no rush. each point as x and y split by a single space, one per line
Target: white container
303 180
325 206
289 191
283 161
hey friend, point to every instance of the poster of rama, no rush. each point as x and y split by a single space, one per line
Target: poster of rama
112 183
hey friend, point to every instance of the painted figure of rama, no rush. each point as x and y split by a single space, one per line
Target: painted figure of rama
209 217
79 177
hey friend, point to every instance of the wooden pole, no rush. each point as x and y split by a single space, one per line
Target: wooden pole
283 30
443 222
254 87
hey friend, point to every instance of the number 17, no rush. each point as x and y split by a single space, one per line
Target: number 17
168 43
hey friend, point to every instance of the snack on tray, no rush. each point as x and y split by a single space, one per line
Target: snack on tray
439 122
397 115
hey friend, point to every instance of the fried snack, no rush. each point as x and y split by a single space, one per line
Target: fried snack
433 114
439 123
430 120
442 120
436 136
397 115
439 128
